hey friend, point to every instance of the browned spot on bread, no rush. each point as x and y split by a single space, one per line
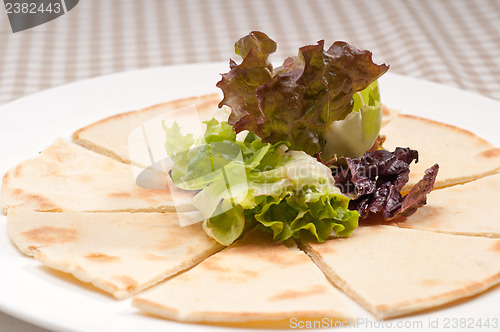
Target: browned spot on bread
50 235
281 258
431 282
274 253
127 282
496 246
17 191
325 248
491 153
233 275
254 243
5 178
84 178
153 257
249 274
43 203
119 195
17 170
385 110
32 249
78 268
142 192
295 294
171 242
100 257
192 250
213 264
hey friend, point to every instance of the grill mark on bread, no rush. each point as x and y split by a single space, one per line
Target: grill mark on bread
324 249
213 264
6 178
171 242
431 282
154 257
102 258
119 195
272 253
496 247
43 203
51 235
17 170
491 153
129 283
294 294
385 110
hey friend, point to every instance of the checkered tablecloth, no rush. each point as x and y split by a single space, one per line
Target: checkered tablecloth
453 42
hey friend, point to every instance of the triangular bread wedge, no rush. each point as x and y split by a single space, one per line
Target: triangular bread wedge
110 136
468 209
256 279
461 155
68 177
120 253
393 271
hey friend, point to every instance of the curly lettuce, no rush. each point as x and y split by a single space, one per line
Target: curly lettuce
245 183
299 101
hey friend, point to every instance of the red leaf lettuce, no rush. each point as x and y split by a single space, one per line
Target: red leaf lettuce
300 99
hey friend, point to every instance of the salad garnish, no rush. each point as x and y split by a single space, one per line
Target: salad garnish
245 183
374 182
305 100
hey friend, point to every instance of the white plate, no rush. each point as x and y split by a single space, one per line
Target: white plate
28 125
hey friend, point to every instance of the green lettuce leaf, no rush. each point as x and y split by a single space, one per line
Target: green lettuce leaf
356 134
248 182
227 226
300 99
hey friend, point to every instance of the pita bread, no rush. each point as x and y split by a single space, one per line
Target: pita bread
388 114
461 155
255 279
120 253
67 177
110 136
468 209
393 271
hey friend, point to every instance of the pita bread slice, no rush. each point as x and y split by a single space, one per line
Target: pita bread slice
256 279
120 253
393 271
68 177
461 155
110 136
468 209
